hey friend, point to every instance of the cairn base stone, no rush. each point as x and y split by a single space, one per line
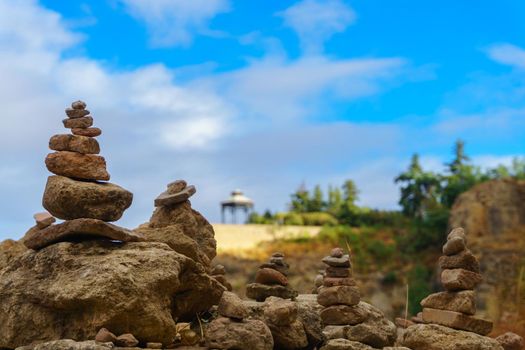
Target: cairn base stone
76 165
457 320
260 292
436 337
463 301
69 199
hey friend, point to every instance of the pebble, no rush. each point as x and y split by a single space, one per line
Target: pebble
343 261
337 252
454 245
270 276
126 340
44 220
105 336
151 345
78 105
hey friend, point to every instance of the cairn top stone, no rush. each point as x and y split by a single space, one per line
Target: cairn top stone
167 198
44 219
78 105
337 252
277 255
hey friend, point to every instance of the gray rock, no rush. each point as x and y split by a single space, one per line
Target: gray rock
231 306
165 198
223 333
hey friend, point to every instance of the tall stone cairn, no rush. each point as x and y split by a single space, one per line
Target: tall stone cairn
271 280
456 307
339 293
79 192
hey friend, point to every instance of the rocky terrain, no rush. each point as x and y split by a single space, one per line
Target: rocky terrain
86 283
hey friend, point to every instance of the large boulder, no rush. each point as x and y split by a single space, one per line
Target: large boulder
9 250
71 290
436 337
70 199
185 230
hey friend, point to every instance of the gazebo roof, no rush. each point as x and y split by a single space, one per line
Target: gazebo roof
237 198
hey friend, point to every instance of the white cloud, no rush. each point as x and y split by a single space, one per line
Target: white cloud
507 54
315 21
175 22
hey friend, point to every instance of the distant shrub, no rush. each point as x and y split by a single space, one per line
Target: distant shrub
293 219
419 287
318 219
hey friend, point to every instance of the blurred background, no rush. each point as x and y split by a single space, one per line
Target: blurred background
369 124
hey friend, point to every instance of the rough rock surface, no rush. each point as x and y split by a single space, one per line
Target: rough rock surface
76 165
344 315
223 333
260 291
436 337
491 209
72 290
90 132
347 295
511 341
457 320
280 312
78 229
289 337
231 306
182 219
9 250
463 301
345 344
69 199
68 344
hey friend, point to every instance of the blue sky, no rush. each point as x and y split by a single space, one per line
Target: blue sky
260 95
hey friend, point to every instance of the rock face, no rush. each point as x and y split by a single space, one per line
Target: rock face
69 199
9 250
491 209
70 290
436 337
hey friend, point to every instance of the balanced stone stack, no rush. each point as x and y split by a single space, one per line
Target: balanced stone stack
455 308
177 192
339 293
271 280
78 192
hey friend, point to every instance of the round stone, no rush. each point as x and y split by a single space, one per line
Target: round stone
69 199
270 276
79 105
337 252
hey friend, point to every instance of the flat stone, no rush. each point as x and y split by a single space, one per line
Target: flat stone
260 292
84 122
457 320
347 295
44 220
337 272
280 312
282 269
343 261
278 255
231 306
460 279
278 261
339 281
74 143
511 341
76 165
270 277
403 322
343 315
105 336
126 340
463 260
76 113
176 186
78 105
89 132
78 229
69 199
165 198
151 345
463 301
454 246
337 252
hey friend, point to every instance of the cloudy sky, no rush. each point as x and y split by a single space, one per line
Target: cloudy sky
258 95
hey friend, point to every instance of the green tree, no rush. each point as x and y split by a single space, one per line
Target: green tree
335 201
300 200
316 203
420 190
350 196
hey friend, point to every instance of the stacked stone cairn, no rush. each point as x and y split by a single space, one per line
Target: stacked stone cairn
271 280
79 192
339 293
455 308
177 192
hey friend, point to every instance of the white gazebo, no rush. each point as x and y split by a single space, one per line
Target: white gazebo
237 201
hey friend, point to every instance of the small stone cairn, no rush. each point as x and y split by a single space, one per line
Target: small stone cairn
271 280
339 293
79 192
177 192
455 308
